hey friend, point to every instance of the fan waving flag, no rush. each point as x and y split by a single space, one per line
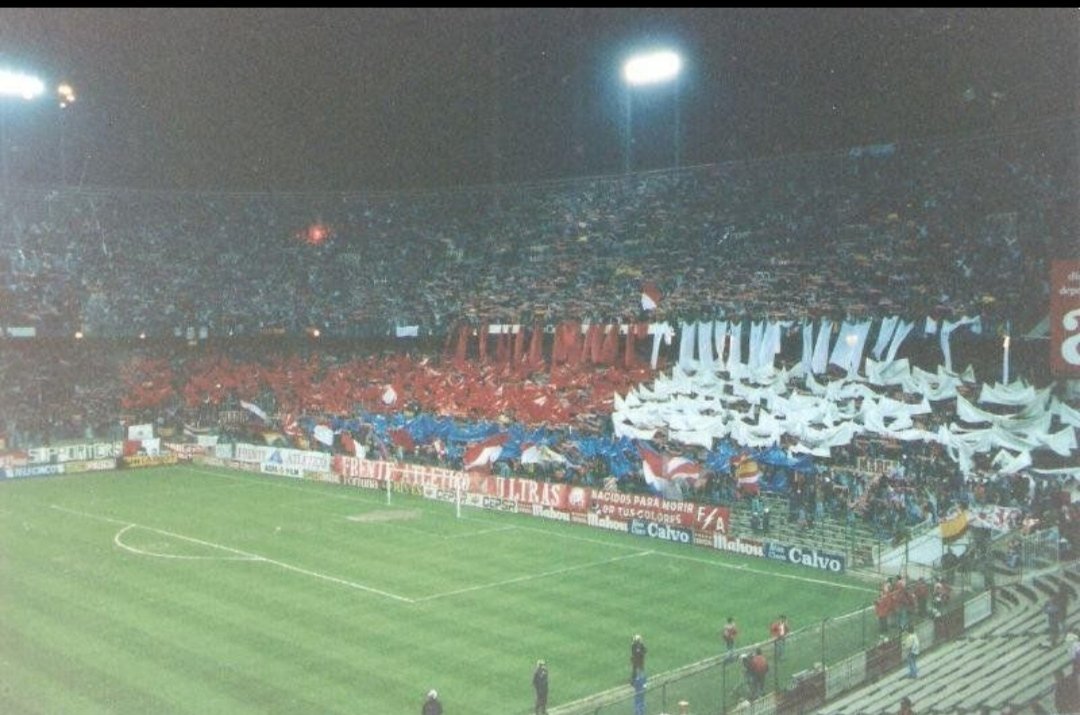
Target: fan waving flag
747 474
481 454
540 454
289 425
650 296
323 433
255 410
661 471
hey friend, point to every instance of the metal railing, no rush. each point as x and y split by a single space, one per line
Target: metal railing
716 685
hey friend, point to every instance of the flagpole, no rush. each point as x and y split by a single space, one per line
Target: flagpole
1005 358
457 498
388 490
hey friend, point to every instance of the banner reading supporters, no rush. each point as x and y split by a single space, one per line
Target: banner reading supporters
1065 318
75 452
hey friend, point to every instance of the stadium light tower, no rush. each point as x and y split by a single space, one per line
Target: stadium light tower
13 86
19 86
65 97
649 68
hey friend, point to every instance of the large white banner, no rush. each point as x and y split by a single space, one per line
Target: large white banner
140 432
283 460
75 452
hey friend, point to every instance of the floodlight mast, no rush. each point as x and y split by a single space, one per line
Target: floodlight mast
646 69
17 86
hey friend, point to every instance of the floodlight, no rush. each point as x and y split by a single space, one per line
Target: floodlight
17 84
66 93
652 68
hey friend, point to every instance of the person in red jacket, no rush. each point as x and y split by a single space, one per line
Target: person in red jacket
729 634
779 631
758 668
882 608
921 590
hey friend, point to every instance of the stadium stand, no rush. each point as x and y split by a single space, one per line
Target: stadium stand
946 228
1004 664
935 229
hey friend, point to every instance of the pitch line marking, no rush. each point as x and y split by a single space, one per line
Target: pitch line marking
118 540
248 555
530 577
246 482
572 537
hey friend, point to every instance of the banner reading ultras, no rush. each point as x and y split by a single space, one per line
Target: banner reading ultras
1065 318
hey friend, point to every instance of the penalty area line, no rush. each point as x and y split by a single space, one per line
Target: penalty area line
247 555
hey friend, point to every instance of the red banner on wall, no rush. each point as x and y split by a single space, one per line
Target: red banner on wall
1065 318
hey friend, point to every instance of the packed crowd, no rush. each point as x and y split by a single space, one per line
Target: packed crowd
945 228
87 390
942 229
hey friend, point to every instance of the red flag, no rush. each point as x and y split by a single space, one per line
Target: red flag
480 455
536 346
519 344
482 336
609 352
289 425
402 438
462 344
661 469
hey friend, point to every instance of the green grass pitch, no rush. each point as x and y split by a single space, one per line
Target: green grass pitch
197 590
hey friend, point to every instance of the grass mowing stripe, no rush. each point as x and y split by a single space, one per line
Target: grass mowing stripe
86 663
532 576
237 552
344 651
28 684
301 637
232 667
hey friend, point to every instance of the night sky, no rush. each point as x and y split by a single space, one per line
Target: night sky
372 99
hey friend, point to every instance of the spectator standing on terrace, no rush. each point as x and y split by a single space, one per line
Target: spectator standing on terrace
1072 641
949 562
540 685
759 668
779 631
1066 698
1052 609
942 594
638 682
729 633
1063 606
921 591
910 646
882 608
637 657
432 706
906 707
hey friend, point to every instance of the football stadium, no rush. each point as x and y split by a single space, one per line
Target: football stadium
632 419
